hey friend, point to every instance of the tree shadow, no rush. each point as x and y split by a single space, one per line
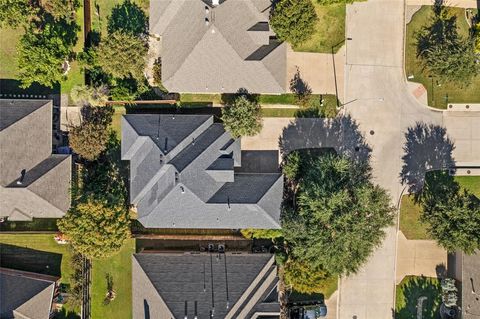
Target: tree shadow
418 292
300 88
341 133
441 271
27 259
129 18
229 98
427 148
66 314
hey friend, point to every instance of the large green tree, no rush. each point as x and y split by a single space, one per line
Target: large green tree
452 215
14 13
293 20
96 228
61 9
444 51
303 277
122 55
338 214
242 117
42 51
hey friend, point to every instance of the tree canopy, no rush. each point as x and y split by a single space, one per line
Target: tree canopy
15 13
242 117
338 214
452 215
129 18
293 20
96 228
122 55
303 277
444 51
61 9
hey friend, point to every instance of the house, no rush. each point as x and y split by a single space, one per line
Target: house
34 183
26 295
204 285
183 175
218 46
467 271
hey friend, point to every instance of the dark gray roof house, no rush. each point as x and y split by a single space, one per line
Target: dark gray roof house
218 46
25 295
34 183
203 285
183 175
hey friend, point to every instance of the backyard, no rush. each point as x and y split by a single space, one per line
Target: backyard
119 267
329 30
438 93
415 292
410 212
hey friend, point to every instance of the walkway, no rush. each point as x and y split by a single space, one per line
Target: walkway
451 3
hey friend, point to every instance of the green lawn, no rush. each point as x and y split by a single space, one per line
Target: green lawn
468 94
120 268
410 290
329 30
330 285
410 212
117 120
101 10
287 98
410 224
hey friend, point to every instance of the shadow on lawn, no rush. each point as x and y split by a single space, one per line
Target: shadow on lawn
415 292
427 148
27 259
341 133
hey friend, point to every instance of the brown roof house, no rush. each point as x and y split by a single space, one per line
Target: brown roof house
34 183
26 295
209 46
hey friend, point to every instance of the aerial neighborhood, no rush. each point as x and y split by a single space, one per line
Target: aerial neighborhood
239 159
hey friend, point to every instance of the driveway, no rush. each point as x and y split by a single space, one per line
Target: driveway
318 70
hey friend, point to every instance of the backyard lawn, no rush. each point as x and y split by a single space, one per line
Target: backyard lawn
329 31
413 66
409 292
410 212
101 10
120 268
117 120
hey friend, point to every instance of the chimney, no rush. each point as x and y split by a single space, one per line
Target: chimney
215 3
22 177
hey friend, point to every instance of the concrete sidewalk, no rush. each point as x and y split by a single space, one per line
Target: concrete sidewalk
450 3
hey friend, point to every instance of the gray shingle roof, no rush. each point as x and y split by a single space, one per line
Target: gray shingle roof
26 145
212 57
25 295
167 280
194 185
471 286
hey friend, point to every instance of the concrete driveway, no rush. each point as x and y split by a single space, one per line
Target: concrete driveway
318 70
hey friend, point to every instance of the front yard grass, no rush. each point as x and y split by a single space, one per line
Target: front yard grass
329 31
120 268
437 93
410 290
471 183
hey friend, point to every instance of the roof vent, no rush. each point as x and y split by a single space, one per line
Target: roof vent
215 3
207 22
207 10
182 189
22 177
193 141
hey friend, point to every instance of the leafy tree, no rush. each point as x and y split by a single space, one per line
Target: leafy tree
42 51
76 280
122 56
449 292
129 18
293 20
96 228
15 13
61 9
444 52
87 95
452 216
261 233
303 277
89 139
339 214
477 38
242 117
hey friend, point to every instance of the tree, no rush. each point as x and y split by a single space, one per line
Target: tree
477 38
250 233
452 216
129 18
242 117
61 9
444 52
96 228
15 13
293 20
122 55
304 278
89 139
339 214
43 49
87 95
